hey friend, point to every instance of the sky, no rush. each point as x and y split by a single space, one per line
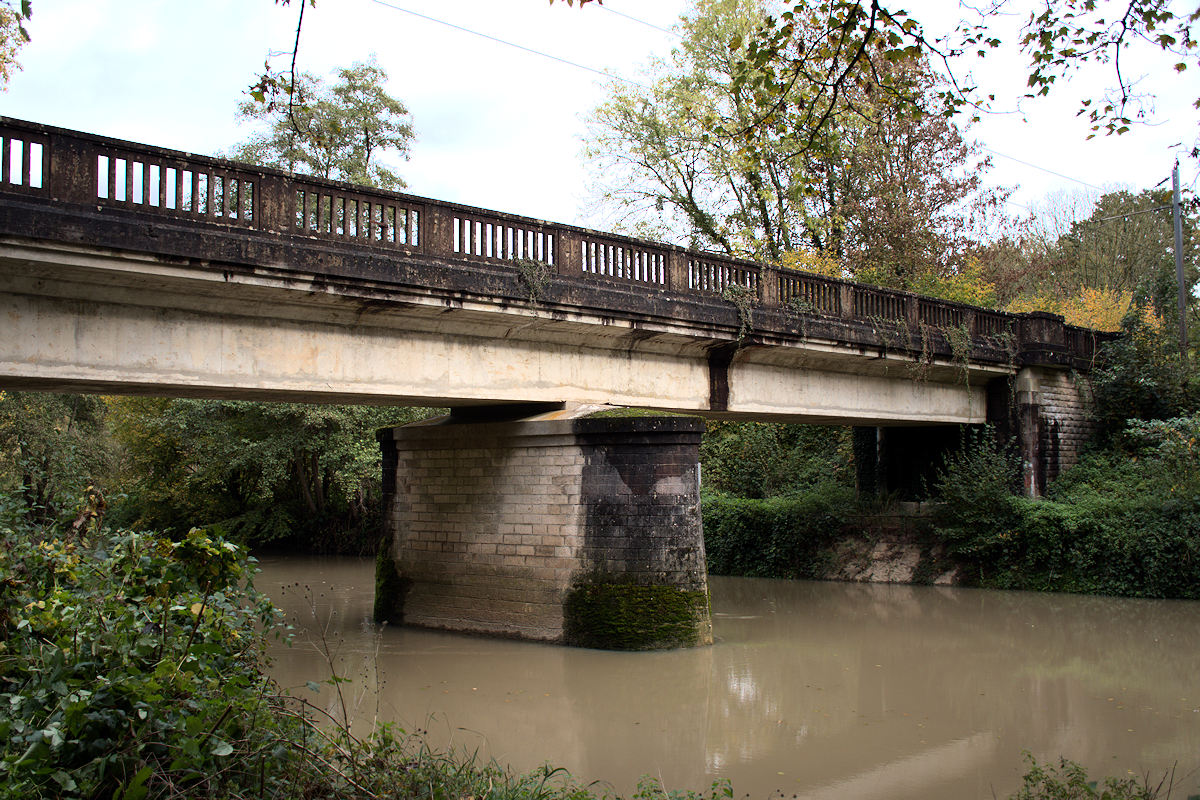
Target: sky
497 126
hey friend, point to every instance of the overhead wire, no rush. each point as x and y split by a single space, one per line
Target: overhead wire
1043 169
1130 214
632 18
498 40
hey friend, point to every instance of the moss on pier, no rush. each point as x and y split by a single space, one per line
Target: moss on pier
390 587
626 616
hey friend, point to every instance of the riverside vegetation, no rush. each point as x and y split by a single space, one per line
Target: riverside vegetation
132 665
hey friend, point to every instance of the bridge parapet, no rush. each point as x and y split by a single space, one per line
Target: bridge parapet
39 162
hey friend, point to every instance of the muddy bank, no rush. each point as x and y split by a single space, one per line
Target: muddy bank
892 547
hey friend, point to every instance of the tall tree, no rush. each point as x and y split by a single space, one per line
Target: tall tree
877 187
53 447
1092 266
343 131
263 471
911 193
656 150
1127 244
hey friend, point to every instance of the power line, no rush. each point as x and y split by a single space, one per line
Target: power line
1130 214
667 31
510 44
1043 169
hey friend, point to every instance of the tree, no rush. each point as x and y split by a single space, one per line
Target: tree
340 132
1093 269
742 196
1127 244
881 190
1142 376
911 192
1069 34
261 471
767 459
13 35
839 45
53 449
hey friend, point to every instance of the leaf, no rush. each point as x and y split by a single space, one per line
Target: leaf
64 780
136 788
312 686
220 748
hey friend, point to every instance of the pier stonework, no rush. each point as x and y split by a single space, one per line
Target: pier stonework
582 531
1054 421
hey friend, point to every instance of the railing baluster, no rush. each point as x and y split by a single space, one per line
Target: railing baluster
26 157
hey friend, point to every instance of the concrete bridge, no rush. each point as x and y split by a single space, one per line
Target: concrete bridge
126 268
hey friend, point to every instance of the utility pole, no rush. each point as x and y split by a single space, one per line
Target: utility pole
1177 211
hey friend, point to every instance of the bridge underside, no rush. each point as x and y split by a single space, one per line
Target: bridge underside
94 320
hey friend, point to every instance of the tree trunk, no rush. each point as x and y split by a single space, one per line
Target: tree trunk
302 480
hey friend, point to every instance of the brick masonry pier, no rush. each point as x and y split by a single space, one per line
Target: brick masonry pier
582 531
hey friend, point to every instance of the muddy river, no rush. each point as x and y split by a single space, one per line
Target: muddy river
812 690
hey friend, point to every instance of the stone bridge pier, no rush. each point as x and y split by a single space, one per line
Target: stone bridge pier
560 528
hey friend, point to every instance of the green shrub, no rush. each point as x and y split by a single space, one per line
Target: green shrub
1124 521
762 459
779 537
131 664
976 487
1142 376
132 667
1069 781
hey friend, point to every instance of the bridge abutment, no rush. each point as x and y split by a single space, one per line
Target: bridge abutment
583 531
1051 417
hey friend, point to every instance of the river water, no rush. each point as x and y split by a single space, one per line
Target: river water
812 690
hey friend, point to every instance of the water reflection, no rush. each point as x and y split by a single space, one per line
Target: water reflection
812 689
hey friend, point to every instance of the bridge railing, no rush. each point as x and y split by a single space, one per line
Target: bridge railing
62 166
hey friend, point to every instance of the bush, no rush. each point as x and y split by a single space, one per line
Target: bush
779 537
976 487
760 459
1069 781
132 667
1124 521
131 664
1142 376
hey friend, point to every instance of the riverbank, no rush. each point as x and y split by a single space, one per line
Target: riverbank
891 556
1123 522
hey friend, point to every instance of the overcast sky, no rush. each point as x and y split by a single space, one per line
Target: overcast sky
497 126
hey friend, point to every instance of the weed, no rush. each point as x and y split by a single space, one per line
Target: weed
534 276
743 299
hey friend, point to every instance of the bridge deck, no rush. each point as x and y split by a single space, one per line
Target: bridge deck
213 277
